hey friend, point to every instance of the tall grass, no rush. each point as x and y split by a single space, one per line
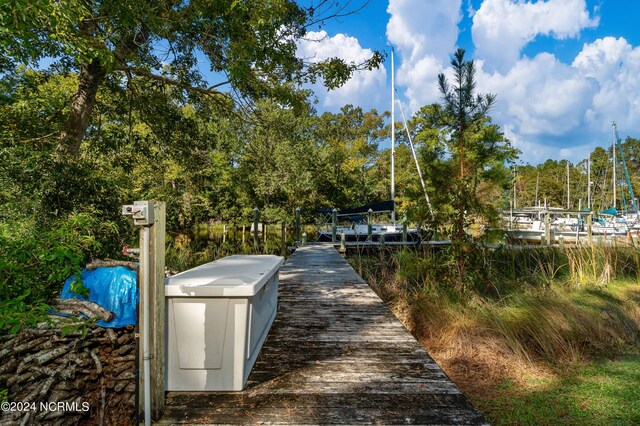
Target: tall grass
550 305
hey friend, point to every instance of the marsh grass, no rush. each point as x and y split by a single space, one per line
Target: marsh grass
547 304
527 314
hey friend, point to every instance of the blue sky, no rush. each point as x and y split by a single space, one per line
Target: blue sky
562 69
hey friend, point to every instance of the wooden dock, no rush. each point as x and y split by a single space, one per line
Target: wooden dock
335 355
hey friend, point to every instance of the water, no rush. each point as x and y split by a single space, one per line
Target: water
207 243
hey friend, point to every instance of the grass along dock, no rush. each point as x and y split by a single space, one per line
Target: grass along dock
335 355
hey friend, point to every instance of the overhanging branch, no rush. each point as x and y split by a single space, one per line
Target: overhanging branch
172 82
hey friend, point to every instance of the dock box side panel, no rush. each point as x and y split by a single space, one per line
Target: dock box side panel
200 326
262 313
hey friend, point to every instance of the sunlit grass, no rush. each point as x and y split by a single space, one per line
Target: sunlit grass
603 392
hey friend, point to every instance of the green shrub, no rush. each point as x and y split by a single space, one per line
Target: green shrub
17 313
36 262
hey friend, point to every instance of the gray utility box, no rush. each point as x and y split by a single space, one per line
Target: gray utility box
218 317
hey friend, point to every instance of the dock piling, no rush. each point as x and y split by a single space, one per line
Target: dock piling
256 219
297 230
334 225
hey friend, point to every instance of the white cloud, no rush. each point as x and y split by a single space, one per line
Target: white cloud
563 110
501 28
615 66
420 29
364 89
536 152
424 34
539 95
547 108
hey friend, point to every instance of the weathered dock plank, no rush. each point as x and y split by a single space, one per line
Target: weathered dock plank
335 355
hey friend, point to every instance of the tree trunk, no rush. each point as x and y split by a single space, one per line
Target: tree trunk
89 79
460 237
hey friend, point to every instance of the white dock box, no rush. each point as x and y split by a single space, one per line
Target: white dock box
218 317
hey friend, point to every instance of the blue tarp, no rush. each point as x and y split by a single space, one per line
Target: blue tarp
112 288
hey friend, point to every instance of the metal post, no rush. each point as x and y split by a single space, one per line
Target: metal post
334 225
393 143
343 245
613 138
146 352
304 238
369 225
297 223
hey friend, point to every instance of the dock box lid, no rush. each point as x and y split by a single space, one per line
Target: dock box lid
232 276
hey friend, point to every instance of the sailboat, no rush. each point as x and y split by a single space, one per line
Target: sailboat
355 223
612 221
528 224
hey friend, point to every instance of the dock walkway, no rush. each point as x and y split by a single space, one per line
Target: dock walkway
335 355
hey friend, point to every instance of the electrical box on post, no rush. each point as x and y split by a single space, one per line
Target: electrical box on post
141 211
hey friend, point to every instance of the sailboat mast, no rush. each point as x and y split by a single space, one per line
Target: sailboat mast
393 144
415 158
515 206
536 203
613 138
589 181
568 189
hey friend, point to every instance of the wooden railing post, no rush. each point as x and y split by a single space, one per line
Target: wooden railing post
283 240
547 228
156 311
256 218
297 224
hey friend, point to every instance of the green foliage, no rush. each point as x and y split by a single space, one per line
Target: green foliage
250 43
77 325
76 286
37 261
479 150
21 311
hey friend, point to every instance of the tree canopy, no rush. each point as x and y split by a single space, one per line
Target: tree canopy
249 46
